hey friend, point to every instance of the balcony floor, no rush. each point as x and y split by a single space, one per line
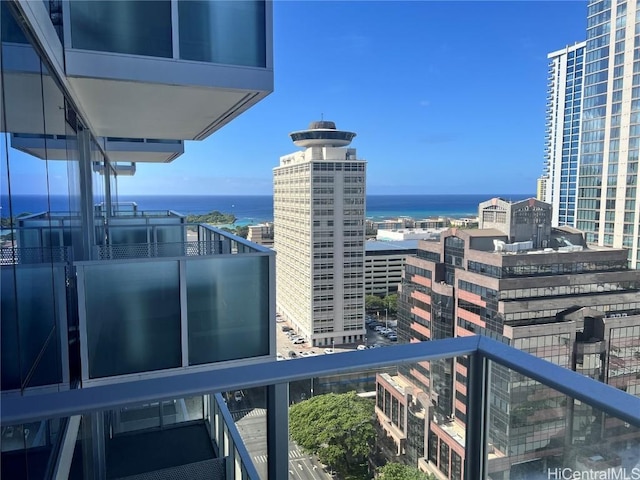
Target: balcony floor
138 453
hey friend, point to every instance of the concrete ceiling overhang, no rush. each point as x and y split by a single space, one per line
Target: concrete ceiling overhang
128 96
147 97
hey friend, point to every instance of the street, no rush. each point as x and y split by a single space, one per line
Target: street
252 425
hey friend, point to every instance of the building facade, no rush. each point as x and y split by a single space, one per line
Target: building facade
97 295
573 306
522 221
541 187
562 136
608 206
383 264
319 232
261 234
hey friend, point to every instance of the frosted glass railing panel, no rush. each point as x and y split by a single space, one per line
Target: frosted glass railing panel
228 308
132 317
30 341
128 235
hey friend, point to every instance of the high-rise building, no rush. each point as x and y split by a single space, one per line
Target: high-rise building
541 187
319 211
562 136
574 306
608 206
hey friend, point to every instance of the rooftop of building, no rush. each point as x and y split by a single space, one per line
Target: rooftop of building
399 245
398 382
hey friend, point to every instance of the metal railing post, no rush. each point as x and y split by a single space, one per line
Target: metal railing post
475 461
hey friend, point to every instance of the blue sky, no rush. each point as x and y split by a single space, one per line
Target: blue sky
446 97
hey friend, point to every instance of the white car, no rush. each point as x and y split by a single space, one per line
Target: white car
238 396
328 351
362 347
298 341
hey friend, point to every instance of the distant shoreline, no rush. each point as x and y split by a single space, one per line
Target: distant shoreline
253 209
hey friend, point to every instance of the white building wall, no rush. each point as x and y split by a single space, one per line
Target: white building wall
319 212
563 132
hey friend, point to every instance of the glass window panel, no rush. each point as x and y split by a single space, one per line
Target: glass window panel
225 32
132 27
133 317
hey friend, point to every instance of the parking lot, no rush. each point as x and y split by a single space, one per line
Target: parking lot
288 349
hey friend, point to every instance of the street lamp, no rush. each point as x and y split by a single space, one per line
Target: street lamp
386 318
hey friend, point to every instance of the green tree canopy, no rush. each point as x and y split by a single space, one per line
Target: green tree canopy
215 218
373 303
338 428
242 231
397 471
391 302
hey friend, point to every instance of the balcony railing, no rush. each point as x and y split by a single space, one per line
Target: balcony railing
13 255
483 355
129 234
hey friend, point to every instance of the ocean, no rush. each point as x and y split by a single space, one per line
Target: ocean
259 208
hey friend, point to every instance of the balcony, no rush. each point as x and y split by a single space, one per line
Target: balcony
537 442
158 296
175 70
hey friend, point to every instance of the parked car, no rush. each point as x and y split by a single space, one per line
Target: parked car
393 337
362 347
279 319
328 351
238 396
292 354
299 340
286 328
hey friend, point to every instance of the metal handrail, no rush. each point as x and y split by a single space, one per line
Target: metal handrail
73 402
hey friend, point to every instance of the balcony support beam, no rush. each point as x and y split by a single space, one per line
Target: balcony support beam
88 232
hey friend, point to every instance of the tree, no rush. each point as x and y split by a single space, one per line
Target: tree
338 428
373 303
214 218
242 231
391 302
397 471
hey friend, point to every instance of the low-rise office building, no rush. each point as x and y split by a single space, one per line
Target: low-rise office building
408 234
383 264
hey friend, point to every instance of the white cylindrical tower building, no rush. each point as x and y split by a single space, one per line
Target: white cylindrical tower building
319 213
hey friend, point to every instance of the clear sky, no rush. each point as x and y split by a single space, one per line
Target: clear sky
445 97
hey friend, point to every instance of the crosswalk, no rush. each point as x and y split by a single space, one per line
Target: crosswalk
251 412
294 454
